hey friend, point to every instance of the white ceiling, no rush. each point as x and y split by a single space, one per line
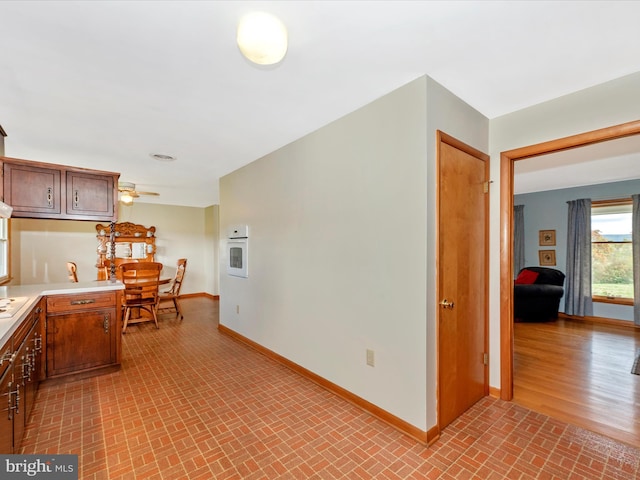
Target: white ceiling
103 84
611 161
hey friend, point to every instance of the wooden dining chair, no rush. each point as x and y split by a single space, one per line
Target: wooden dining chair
72 270
173 293
140 291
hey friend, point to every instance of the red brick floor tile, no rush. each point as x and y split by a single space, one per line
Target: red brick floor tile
192 404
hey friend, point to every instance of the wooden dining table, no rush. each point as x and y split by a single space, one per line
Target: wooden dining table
143 282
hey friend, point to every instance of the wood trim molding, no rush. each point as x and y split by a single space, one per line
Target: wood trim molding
433 435
614 322
200 294
506 276
425 438
454 142
494 392
507 160
614 300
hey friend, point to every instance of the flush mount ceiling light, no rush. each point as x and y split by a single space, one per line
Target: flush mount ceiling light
262 38
162 157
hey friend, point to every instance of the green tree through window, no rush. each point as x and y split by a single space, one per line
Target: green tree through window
611 250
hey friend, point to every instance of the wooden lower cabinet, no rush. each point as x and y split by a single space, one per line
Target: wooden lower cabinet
30 362
6 413
83 332
79 333
21 373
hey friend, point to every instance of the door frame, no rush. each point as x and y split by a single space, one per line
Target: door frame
442 137
507 160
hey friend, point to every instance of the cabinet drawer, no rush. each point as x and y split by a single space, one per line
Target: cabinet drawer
80 301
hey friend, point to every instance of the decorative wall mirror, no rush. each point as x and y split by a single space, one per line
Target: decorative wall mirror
121 243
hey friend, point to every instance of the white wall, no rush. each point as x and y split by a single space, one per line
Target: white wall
41 248
327 279
605 105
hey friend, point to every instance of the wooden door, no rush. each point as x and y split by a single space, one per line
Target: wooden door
462 277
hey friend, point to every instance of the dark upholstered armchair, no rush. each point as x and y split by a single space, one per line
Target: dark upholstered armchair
536 294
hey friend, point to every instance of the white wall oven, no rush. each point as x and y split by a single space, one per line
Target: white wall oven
238 251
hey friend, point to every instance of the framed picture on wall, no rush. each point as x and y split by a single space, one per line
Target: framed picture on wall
547 238
547 258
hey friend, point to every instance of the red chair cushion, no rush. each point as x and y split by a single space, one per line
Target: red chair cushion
526 277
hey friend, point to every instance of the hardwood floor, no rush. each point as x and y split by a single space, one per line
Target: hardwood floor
579 372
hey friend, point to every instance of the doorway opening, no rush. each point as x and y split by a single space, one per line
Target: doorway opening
507 160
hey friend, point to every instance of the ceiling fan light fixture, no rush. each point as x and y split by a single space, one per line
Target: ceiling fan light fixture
262 38
128 192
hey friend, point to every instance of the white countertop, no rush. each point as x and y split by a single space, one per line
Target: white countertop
33 293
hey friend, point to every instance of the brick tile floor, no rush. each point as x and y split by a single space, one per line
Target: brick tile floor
190 403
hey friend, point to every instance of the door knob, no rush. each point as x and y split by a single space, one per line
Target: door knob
446 304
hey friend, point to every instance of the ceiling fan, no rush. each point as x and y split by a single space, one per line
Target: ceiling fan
129 192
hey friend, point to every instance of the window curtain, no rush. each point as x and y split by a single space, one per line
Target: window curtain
635 240
578 275
518 239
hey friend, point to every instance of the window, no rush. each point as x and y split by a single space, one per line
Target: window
611 251
4 250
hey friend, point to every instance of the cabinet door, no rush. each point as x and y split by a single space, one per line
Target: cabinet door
39 340
32 191
90 195
80 341
21 375
27 371
6 414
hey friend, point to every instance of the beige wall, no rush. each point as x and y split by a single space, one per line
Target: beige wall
341 247
41 248
212 244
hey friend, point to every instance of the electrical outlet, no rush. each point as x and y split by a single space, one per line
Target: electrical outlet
237 308
371 358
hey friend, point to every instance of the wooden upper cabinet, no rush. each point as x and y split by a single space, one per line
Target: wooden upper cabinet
29 189
89 194
40 190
